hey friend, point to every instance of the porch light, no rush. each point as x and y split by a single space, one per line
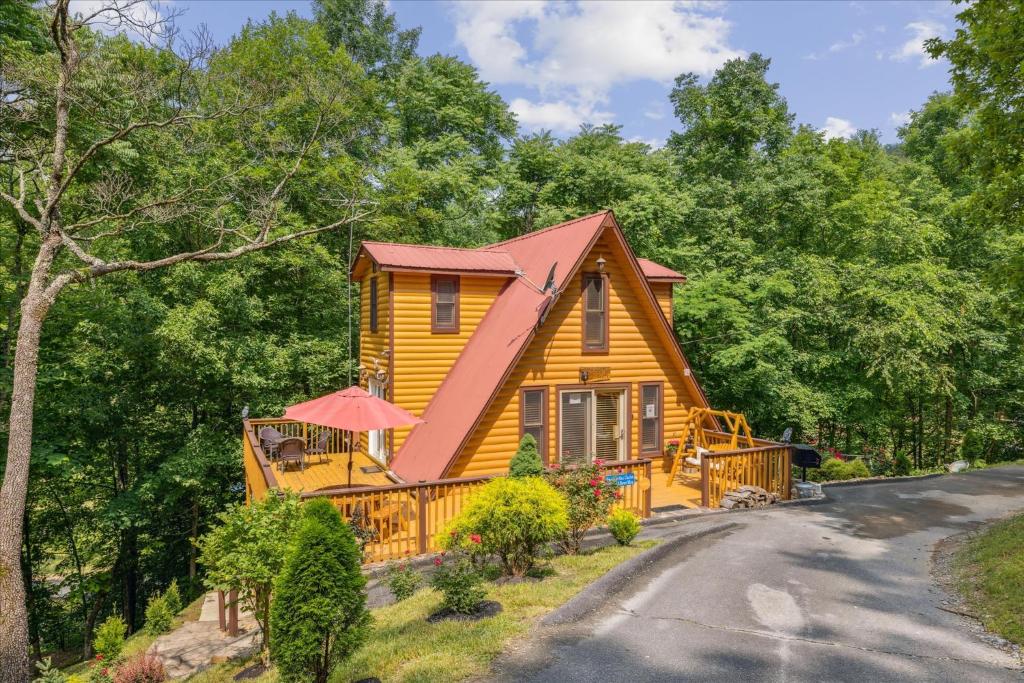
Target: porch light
601 262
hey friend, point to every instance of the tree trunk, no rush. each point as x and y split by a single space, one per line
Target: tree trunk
14 664
194 537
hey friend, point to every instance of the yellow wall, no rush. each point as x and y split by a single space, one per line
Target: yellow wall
636 354
423 358
663 292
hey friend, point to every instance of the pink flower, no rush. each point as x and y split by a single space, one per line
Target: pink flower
597 493
99 658
618 495
598 462
475 538
437 561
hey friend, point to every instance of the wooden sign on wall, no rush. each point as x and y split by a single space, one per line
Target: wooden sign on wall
597 374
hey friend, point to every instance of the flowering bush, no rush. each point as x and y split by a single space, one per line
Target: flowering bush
403 580
512 519
624 526
110 638
141 669
671 447
589 498
101 671
459 581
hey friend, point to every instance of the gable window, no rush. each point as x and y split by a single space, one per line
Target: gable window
444 309
650 417
373 304
533 411
595 312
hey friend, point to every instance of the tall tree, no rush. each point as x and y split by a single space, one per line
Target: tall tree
97 208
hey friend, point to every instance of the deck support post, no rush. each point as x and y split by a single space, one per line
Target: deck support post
221 624
787 474
705 482
421 519
648 494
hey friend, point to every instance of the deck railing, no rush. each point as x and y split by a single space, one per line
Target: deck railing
767 466
337 439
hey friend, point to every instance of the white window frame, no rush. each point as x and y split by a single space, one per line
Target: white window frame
376 439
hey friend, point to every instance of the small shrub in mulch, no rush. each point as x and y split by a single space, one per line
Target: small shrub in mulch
487 608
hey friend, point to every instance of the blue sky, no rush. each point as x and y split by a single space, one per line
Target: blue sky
841 65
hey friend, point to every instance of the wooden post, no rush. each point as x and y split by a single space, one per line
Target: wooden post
220 611
233 613
705 483
649 474
787 473
421 519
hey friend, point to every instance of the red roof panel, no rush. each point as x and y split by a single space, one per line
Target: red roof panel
659 273
390 256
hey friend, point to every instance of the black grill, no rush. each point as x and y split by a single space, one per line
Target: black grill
805 456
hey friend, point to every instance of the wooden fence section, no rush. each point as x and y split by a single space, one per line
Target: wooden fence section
337 439
406 519
767 466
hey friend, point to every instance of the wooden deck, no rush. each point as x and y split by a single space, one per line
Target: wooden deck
684 491
331 473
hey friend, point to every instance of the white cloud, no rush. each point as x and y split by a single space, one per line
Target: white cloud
838 46
838 128
899 118
653 143
913 48
574 54
560 117
655 112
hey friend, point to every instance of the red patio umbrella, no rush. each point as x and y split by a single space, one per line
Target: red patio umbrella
353 410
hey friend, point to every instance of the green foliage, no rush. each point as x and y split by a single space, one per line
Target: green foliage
512 519
589 498
526 462
403 580
246 552
173 597
901 465
624 525
460 583
991 575
109 640
319 616
48 673
159 616
836 469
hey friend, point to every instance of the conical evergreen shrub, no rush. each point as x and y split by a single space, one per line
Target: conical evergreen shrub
526 462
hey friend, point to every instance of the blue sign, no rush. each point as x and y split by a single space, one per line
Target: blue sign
625 479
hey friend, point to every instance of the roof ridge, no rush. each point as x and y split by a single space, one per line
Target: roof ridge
564 224
435 246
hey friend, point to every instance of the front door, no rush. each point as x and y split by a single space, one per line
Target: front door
377 441
591 425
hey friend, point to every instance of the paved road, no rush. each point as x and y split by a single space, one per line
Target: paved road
839 591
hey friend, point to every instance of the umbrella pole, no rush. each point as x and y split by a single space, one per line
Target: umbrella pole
351 448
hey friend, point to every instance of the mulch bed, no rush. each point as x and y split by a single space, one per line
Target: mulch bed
254 671
487 608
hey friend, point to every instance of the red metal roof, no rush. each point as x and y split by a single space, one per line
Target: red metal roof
391 256
494 347
659 273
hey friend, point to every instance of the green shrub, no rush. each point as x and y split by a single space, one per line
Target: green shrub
48 673
158 616
173 597
512 519
526 462
901 465
319 616
109 640
624 526
589 499
403 580
460 583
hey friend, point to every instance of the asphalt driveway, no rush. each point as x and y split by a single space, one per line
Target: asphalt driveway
840 591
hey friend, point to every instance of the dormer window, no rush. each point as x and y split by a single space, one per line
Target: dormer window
595 313
444 309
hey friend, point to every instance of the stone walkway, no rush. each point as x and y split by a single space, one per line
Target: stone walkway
199 644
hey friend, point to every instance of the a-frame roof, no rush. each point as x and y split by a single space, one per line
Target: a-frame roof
502 336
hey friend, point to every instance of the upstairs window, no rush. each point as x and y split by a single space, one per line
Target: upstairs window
533 410
373 304
444 294
595 312
650 417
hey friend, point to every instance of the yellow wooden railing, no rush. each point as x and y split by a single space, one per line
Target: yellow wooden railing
767 465
406 519
337 439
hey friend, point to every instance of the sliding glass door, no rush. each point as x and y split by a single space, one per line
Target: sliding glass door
591 425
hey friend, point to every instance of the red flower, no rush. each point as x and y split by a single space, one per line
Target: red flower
99 658
618 495
597 493
673 442
437 561
598 462
475 538
595 482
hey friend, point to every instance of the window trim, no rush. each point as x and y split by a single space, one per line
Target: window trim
587 277
660 433
374 304
542 446
444 329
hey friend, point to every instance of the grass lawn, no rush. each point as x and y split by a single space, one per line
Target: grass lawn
990 573
404 647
